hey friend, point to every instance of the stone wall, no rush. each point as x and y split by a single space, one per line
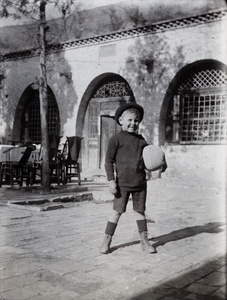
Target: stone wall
148 61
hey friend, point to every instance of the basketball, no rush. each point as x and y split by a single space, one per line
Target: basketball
153 157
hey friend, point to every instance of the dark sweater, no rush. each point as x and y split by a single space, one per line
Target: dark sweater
124 154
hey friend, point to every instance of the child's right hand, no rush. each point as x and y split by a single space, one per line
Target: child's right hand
113 187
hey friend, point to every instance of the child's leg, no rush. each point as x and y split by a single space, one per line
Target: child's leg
112 223
115 216
142 228
139 199
119 207
109 232
139 216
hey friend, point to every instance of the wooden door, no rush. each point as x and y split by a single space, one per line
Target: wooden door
108 128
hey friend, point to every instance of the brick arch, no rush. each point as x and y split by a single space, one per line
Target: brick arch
26 95
181 75
95 119
90 91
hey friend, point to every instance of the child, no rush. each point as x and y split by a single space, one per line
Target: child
124 156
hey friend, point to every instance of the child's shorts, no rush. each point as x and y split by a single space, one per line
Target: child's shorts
138 200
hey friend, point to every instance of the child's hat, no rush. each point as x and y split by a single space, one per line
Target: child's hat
125 106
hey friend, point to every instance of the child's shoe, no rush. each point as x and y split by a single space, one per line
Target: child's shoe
145 245
106 244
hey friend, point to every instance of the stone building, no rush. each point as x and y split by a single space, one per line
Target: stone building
174 64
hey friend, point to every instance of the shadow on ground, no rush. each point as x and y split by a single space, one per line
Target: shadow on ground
212 227
207 282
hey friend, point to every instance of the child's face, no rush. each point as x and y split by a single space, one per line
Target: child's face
129 121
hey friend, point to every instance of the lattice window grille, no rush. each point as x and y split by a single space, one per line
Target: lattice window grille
205 78
34 121
34 124
204 118
113 89
52 119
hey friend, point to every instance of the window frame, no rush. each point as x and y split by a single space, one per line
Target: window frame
212 125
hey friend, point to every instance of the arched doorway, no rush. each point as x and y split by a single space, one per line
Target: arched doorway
27 123
99 124
195 105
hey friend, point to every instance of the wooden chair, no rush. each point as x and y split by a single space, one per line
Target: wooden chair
54 159
17 171
70 165
54 162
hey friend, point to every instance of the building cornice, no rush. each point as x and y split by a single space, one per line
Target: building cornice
145 30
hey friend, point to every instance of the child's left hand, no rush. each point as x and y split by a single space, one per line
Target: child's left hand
164 165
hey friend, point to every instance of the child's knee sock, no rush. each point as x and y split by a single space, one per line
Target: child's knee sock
142 228
142 225
110 228
109 232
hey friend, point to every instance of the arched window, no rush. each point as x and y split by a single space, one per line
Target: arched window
31 121
197 113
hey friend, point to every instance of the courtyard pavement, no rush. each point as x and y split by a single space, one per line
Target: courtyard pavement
54 254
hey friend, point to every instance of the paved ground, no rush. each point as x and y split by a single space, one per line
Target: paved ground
54 254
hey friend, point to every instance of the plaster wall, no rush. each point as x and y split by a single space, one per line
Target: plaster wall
71 72
198 166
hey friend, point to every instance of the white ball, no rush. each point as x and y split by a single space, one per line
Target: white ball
153 157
